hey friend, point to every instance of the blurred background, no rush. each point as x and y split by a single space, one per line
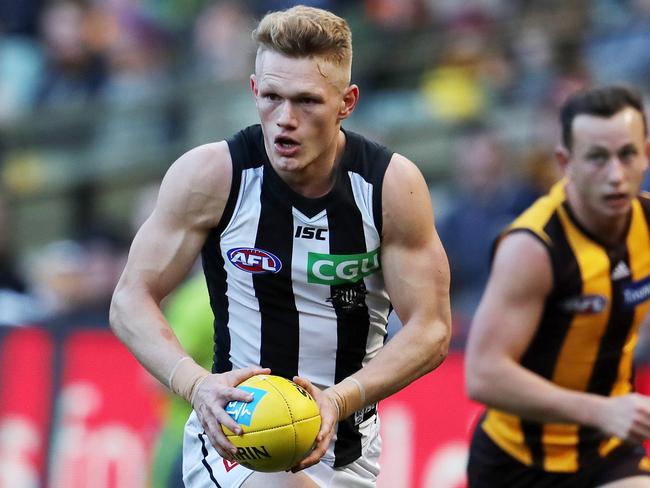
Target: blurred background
99 97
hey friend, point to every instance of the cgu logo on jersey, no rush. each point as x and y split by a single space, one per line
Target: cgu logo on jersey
253 260
339 269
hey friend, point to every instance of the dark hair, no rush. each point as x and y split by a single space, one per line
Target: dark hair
604 101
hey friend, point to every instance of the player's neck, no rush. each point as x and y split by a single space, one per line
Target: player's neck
610 231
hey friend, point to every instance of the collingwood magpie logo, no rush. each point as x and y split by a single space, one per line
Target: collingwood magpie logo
347 298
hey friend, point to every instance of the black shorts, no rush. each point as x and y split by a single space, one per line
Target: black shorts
490 466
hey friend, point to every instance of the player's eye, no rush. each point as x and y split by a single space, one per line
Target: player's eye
598 157
627 153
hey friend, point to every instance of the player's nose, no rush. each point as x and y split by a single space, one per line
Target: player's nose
286 115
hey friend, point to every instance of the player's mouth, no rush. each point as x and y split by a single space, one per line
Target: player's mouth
285 146
617 200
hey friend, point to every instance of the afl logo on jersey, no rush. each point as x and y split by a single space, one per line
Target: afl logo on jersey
253 260
585 304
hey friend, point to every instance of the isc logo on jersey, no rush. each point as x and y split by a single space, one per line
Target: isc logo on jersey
253 260
339 269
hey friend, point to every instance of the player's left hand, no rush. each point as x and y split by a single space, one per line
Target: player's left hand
328 419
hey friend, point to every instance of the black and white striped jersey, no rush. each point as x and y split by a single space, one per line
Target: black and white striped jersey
296 283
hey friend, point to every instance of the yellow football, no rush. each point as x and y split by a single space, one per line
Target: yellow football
280 425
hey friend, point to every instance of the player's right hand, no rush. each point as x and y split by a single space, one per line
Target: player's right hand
626 417
210 400
328 413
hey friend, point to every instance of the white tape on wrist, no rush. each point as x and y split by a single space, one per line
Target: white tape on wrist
175 369
185 378
195 390
362 390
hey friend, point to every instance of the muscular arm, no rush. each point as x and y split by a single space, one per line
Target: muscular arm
191 200
503 327
416 273
192 197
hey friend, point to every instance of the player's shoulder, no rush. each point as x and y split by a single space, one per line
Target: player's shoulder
541 218
523 251
401 163
521 240
521 267
402 174
644 199
366 157
197 185
406 202
207 167
206 157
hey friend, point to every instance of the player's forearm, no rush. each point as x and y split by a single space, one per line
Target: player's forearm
507 386
136 319
413 352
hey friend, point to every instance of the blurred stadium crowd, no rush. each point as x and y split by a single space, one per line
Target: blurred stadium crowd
98 97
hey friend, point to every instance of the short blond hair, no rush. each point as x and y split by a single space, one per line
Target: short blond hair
303 31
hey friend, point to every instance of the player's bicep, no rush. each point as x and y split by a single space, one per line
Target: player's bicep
191 200
511 307
416 270
161 255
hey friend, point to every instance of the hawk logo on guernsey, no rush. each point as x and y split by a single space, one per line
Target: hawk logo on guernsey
253 260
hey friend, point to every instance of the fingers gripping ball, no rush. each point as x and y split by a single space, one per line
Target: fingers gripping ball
280 424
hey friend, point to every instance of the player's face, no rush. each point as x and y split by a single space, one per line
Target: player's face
607 162
301 102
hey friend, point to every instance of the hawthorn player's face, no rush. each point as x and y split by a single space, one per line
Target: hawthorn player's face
608 161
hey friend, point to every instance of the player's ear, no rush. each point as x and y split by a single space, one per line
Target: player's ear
253 81
349 101
563 156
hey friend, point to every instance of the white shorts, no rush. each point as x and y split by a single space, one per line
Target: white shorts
203 467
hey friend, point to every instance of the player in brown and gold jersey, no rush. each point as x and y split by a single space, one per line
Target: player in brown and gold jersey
551 346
